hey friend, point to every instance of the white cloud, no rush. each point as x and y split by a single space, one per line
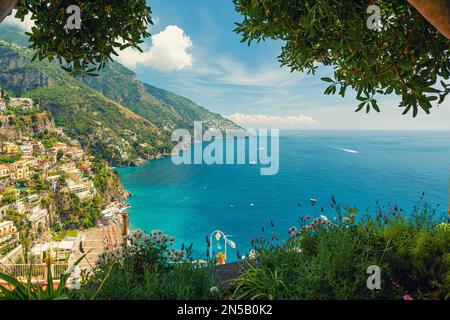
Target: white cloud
235 73
226 70
25 25
271 121
169 52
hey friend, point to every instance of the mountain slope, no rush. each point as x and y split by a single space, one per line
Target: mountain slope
121 85
106 128
163 108
115 115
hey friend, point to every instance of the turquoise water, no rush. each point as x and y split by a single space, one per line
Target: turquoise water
191 201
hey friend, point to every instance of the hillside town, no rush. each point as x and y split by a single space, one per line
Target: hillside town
56 201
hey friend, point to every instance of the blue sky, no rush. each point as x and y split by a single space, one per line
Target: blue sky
194 52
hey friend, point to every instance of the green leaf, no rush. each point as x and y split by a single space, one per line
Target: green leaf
326 79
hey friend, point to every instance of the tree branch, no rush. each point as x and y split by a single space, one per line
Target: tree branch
436 12
6 7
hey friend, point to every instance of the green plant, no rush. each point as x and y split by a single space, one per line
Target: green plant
329 260
146 267
419 255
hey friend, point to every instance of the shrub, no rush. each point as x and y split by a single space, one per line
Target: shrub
147 267
329 260
419 257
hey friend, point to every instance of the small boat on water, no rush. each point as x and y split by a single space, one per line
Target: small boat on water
348 150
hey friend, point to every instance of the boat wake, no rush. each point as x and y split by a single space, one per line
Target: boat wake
348 150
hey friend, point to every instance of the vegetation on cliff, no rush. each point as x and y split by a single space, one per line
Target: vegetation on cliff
114 116
44 169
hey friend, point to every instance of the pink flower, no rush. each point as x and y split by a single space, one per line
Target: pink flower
407 297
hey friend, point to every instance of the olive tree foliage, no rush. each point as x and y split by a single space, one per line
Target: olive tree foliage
405 56
106 27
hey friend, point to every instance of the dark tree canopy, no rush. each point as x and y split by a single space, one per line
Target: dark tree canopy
407 56
106 26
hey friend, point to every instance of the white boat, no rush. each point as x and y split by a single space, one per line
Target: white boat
348 150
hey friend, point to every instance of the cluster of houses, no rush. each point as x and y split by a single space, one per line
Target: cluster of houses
9 236
62 166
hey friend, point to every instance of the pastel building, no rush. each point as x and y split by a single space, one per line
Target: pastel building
9 236
9 148
4 172
20 169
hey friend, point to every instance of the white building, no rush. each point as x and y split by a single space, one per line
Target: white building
39 218
26 149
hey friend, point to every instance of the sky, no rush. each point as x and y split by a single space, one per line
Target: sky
195 53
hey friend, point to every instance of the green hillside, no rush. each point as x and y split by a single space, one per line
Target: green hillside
163 108
115 116
103 126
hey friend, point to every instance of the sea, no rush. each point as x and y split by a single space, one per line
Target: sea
369 170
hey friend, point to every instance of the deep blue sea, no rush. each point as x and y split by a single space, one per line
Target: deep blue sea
190 201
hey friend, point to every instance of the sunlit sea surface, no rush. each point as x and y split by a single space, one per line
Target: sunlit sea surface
357 168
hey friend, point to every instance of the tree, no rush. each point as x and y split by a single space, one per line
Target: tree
59 154
105 27
404 55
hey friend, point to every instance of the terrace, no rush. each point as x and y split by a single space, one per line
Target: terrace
38 272
59 251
